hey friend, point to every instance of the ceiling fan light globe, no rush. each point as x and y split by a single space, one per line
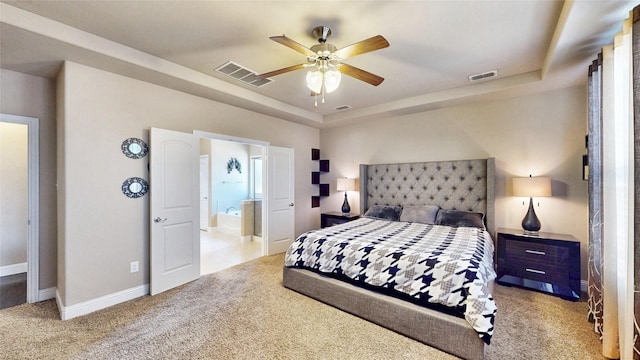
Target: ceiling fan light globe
314 81
332 80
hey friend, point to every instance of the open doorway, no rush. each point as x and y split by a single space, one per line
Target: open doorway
233 177
19 196
174 205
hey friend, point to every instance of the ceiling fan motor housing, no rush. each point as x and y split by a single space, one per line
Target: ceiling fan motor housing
321 33
323 50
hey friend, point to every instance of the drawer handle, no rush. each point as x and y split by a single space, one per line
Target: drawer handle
535 252
535 271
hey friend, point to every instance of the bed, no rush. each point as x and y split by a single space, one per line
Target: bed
385 286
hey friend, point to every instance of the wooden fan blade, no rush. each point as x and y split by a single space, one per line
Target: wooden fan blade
360 74
281 71
371 44
293 45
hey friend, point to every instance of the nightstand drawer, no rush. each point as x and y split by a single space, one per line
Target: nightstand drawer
536 253
335 218
329 221
548 273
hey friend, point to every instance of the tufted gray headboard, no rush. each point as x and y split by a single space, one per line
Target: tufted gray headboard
467 185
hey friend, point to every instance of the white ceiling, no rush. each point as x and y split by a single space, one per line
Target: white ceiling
434 46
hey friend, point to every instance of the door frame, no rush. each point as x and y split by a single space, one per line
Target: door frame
33 186
208 187
265 149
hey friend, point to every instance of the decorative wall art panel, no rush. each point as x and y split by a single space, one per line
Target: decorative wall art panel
134 148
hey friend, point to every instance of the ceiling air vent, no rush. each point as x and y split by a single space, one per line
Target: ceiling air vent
241 73
343 107
483 76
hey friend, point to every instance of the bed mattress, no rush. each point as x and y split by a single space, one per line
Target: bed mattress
427 264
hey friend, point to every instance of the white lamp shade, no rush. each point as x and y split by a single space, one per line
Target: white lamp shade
314 81
532 186
346 184
332 80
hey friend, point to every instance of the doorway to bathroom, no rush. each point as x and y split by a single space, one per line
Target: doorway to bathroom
231 196
174 209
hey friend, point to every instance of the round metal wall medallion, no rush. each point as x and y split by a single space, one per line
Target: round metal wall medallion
134 148
135 187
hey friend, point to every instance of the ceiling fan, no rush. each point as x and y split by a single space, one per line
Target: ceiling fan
325 61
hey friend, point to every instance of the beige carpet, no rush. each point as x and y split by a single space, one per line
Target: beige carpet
245 313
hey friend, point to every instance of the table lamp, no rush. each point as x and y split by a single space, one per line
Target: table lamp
346 184
531 187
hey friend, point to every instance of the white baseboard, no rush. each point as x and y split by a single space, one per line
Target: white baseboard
13 269
103 302
46 294
584 285
245 239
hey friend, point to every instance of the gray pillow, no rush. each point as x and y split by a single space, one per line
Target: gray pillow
460 218
424 214
384 212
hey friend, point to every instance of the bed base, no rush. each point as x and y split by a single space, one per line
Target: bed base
445 332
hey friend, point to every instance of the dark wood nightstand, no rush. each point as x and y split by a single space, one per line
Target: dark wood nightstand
334 218
547 262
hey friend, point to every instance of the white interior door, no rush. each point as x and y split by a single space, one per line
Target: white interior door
204 192
174 191
280 232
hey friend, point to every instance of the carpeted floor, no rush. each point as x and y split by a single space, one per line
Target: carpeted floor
245 313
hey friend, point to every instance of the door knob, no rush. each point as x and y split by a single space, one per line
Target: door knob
291 204
158 219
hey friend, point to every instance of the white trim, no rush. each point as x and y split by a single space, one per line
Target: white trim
215 136
584 285
13 269
103 302
46 294
245 239
33 242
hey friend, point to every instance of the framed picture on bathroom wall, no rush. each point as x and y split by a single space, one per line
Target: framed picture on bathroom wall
234 164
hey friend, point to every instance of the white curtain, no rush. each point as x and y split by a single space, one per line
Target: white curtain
611 268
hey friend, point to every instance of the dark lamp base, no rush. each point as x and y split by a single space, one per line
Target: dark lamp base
530 223
346 209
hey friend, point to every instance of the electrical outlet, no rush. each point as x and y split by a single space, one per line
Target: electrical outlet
134 267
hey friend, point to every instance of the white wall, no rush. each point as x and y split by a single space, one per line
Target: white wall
102 230
13 194
540 134
33 96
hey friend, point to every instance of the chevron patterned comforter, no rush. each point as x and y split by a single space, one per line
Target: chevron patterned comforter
431 264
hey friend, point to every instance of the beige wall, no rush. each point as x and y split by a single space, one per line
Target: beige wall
14 194
104 230
33 96
539 134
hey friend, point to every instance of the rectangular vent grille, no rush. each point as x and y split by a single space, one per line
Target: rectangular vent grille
483 76
241 73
